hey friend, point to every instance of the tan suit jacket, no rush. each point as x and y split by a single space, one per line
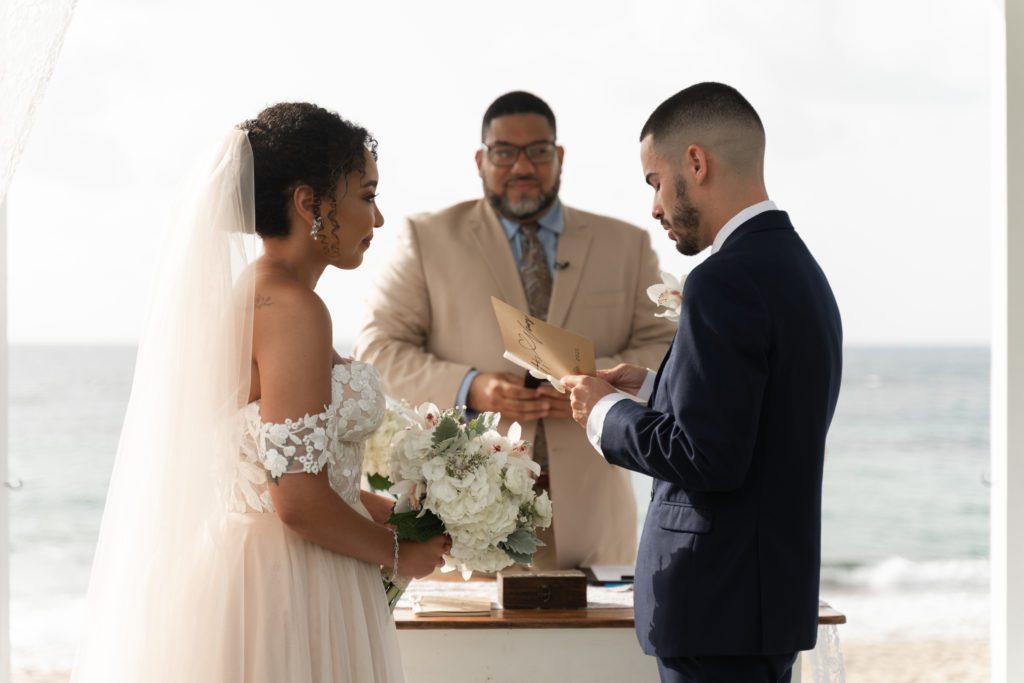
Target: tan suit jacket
431 322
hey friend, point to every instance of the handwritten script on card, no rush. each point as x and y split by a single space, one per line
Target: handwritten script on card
546 350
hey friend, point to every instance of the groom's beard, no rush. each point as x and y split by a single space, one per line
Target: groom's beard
685 221
527 207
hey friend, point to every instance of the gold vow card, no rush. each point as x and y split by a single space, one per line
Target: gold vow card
545 350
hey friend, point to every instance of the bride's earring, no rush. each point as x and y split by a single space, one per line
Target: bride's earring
316 228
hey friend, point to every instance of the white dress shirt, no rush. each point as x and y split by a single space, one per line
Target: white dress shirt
595 423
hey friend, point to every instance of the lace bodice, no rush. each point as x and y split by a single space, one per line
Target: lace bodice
334 438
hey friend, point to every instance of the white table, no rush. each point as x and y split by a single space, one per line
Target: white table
596 644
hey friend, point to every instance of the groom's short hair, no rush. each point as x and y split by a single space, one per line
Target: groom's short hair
712 114
517 102
700 104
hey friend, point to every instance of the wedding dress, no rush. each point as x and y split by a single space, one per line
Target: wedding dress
195 578
305 613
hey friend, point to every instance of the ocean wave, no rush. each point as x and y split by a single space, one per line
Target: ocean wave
899 573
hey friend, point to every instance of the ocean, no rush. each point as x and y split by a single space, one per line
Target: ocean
905 506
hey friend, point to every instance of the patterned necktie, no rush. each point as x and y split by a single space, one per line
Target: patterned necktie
537 281
535 272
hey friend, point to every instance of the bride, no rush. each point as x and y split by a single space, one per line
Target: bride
236 544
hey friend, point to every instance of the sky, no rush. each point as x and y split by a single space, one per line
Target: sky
877 115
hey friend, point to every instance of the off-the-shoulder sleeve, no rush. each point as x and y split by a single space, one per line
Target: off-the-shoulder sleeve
295 446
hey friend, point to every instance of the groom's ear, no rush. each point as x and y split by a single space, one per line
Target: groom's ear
695 164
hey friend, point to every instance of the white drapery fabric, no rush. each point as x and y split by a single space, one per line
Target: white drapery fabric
31 36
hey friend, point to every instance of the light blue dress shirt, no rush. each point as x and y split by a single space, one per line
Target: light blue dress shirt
550 227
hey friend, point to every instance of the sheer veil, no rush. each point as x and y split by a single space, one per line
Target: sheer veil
155 577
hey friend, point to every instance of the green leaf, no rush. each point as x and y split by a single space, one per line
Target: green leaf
518 558
447 428
378 482
523 541
475 427
521 545
411 526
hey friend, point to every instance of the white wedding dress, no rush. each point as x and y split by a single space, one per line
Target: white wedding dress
303 614
195 578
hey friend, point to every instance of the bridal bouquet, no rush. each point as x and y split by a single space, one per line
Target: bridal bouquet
470 482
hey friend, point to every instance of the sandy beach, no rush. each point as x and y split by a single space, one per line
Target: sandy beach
928 661
931 661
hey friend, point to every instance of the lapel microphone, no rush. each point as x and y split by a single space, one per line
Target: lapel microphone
561 265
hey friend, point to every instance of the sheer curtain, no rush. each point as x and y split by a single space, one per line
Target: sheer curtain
31 35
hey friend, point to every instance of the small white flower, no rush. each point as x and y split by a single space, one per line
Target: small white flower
276 463
318 438
668 294
278 434
428 414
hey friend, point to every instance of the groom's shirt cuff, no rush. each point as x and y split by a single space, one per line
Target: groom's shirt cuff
595 423
647 388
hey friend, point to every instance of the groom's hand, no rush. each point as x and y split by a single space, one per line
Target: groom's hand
625 377
504 392
586 392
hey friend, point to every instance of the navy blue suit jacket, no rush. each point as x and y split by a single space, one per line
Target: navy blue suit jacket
734 436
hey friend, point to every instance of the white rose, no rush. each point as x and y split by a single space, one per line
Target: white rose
542 509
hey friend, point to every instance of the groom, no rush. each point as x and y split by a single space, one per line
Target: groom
734 430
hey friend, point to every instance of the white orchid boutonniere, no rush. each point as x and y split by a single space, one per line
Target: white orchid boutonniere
669 295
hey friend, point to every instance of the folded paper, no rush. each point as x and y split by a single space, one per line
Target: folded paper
546 351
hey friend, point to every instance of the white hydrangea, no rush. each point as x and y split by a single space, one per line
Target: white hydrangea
478 482
377 455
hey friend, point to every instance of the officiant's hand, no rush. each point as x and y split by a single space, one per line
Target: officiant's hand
586 392
625 377
504 392
559 402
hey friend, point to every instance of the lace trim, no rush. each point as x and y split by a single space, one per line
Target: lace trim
296 446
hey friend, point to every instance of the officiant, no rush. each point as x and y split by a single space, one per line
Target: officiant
432 333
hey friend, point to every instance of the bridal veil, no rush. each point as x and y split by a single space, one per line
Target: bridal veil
155 577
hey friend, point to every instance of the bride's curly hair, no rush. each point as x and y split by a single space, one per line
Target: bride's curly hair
297 143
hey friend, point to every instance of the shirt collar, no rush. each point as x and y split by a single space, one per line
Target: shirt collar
552 220
738 220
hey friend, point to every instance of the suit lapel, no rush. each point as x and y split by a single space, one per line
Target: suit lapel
573 245
497 254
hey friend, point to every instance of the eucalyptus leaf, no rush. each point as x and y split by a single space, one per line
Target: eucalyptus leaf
447 428
518 558
522 541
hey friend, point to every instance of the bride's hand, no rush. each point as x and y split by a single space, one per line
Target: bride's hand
379 507
417 559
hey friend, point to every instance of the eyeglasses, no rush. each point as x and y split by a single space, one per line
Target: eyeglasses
504 154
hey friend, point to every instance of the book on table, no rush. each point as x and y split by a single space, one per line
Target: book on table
603 574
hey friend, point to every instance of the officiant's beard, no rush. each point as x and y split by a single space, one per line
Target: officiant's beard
527 207
685 221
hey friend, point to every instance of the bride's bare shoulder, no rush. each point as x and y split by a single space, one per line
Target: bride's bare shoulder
284 306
